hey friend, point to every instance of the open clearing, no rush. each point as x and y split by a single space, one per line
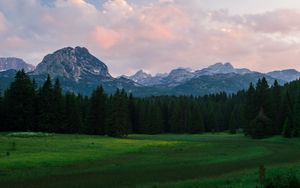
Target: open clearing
207 160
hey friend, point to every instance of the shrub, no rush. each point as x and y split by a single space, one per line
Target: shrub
282 181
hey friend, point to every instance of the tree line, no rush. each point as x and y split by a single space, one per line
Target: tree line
261 111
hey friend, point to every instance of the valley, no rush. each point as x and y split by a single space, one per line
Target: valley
200 160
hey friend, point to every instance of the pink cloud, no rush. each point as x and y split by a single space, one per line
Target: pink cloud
281 21
107 38
156 36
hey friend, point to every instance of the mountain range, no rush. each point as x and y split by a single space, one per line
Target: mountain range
81 72
15 64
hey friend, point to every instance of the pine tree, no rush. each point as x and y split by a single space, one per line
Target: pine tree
275 107
296 117
286 114
58 107
261 126
19 104
119 122
72 114
251 109
233 123
46 106
97 112
262 96
134 114
155 125
197 122
287 128
176 119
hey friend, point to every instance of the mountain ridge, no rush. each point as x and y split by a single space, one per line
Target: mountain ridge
7 63
81 72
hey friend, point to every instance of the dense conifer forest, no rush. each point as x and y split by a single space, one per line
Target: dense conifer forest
262 111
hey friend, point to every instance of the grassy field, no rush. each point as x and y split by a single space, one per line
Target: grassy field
209 160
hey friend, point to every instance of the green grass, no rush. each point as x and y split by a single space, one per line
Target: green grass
209 160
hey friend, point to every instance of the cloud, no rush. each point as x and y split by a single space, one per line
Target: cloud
155 35
106 38
284 21
3 26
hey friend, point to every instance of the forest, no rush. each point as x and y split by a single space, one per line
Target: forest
263 110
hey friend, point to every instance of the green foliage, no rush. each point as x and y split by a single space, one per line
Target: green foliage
287 128
97 112
18 104
206 160
119 122
283 181
261 111
261 126
262 174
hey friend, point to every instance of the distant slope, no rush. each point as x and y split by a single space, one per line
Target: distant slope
286 75
15 64
229 83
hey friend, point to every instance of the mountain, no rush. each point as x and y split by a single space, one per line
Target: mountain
286 75
181 75
145 79
6 77
229 83
72 63
15 64
220 68
77 70
140 76
81 72
177 76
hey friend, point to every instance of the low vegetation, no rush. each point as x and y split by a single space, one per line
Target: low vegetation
208 160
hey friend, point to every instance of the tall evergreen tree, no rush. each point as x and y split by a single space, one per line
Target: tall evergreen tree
72 114
197 121
119 122
287 128
46 106
296 117
286 115
155 125
233 122
19 104
275 101
58 107
262 96
251 109
97 112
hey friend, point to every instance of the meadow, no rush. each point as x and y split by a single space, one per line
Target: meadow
207 160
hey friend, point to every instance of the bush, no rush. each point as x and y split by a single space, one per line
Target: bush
282 181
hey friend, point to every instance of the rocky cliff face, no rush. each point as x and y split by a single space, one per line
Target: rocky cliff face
15 64
72 63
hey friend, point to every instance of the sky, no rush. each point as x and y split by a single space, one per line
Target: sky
156 35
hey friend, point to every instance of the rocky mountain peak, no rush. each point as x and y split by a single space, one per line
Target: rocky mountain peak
72 63
221 68
140 76
15 64
143 74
